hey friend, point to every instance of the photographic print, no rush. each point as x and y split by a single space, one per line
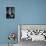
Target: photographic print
10 12
29 34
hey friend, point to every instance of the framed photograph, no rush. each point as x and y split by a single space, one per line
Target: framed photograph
10 12
33 32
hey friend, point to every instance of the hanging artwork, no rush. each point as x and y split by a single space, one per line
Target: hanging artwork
10 12
32 32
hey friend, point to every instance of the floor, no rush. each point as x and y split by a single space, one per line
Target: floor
30 43
7 45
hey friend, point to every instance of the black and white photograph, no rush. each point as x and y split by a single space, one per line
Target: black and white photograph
31 35
10 12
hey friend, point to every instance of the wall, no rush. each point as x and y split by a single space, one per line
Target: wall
27 12
6 25
31 11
